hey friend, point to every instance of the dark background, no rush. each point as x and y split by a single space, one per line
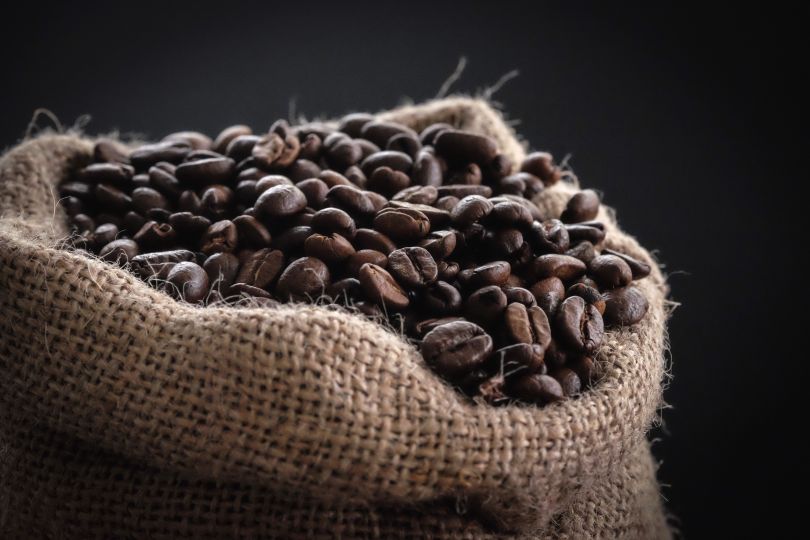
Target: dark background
687 117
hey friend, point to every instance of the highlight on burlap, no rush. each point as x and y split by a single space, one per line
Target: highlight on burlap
296 421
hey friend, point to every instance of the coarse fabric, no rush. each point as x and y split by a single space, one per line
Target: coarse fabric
125 414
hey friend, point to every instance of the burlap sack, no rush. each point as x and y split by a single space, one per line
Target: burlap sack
124 414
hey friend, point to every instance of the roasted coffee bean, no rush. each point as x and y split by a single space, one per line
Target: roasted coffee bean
417 195
188 225
429 134
486 305
246 193
561 266
585 233
147 155
371 239
585 368
610 271
154 236
197 155
583 206
344 290
368 148
420 328
255 294
387 181
584 251
535 388
426 170
440 298
569 381
314 190
356 176
363 256
333 178
222 269
351 199
195 139
522 184
406 143
465 147
164 181
72 205
112 198
382 288
268 149
280 202
511 214
527 325
549 236
448 270
261 269
403 224
133 222
556 356
304 279
311 148
110 151
330 248
500 167
189 202
469 175
241 147
103 235
117 174
591 295
159 264
220 236
503 243
541 164
494 273
460 191
387 158
579 325
251 232
145 199
440 244
187 281
380 132
454 349
219 170
141 180
272 180
119 251
413 267
518 358
301 169
352 124
469 210
83 224
220 144
520 295
438 218
625 306
343 154
638 268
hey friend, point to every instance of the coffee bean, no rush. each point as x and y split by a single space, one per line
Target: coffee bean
522 184
499 167
222 269
159 264
380 132
363 256
494 273
585 368
549 236
429 134
351 199
417 195
251 232
314 190
583 206
511 214
625 306
591 295
187 281
220 144
585 233
610 271
520 295
220 236
438 218
470 175
503 243
448 270
561 266
569 381
440 244
147 155
541 165
413 267
403 224
460 191
104 234
356 176
311 148
426 170
301 169
485 305
119 251
261 269
154 236
344 290
387 181
117 174
527 325
518 358
343 154
280 202
145 199
304 279
387 158
133 221
382 288
469 210
371 239
406 143
440 298
638 268
188 225
584 251
465 147
579 325
219 170
535 388
352 124
330 248
112 198
456 348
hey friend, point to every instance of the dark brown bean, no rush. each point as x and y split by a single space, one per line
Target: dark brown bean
262 268
352 124
417 195
371 239
485 305
220 144
429 134
426 170
219 170
407 143
469 210
387 181
112 198
440 299
158 264
403 224
518 358
610 271
280 201
149 154
561 266
363 256
569 381
541 164
527 325
579 325
119 251
351 199
222 269
493 273
535 388
314 190
331 248
110 151
454 349
304 279
469 175
145 199
382 288
440 244
465 147
625 306
251 232
220 236
413 267
460 190
380 132
154 236
639 268
387 158
582 206
590 294
187 281
117 174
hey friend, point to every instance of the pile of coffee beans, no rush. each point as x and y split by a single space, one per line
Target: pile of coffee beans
432 231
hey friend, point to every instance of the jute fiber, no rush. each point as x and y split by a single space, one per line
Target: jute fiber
125 414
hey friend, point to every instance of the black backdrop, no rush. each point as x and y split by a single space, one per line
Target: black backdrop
685 116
